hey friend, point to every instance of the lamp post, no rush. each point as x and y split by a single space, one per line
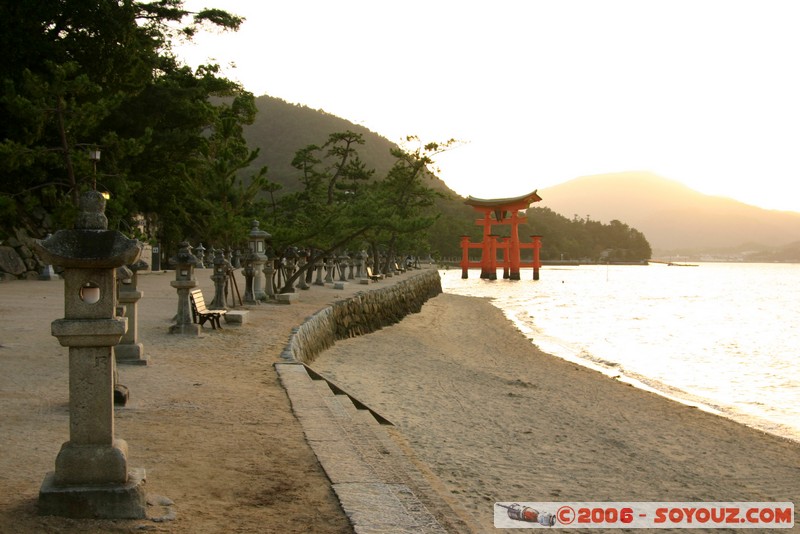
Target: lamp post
94 156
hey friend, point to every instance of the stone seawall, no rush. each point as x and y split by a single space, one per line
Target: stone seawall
362 313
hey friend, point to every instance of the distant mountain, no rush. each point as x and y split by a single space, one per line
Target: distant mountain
673 217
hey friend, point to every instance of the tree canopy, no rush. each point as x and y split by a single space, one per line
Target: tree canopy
82 77
92 96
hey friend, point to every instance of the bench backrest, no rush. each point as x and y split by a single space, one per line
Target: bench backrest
198 301
373 276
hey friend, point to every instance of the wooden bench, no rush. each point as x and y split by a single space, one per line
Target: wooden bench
201 313
371 276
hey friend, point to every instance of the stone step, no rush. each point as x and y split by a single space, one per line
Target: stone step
338 390
375 483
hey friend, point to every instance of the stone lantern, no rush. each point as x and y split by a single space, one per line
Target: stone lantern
257 241
185 263
221 268
361 264
319 264
269 274
351 267
47 272
91 477
291 263
249 273
130 350
330 266
302 261
342 264
199 253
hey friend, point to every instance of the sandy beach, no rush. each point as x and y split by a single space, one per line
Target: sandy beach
207 418
491 416
498 420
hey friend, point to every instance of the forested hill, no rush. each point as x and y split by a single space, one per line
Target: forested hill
281 129
177 162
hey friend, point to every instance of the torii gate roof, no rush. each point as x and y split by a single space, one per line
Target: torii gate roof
520 203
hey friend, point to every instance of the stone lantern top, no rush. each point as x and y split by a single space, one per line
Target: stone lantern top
92 215
220 263
256 233
124 274
140 265
258 239
90 245
184 255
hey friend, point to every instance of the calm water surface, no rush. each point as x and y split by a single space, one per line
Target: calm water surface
721 336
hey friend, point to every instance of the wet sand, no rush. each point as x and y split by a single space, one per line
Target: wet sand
498 420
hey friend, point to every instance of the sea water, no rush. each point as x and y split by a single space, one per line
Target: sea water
724 337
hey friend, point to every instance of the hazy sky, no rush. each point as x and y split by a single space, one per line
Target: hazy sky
706 92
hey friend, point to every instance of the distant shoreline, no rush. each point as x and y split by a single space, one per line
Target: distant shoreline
684 262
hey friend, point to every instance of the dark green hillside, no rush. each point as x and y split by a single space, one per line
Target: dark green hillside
281 129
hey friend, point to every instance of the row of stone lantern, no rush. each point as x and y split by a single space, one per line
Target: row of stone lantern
186 262
266 278
204 260
92 477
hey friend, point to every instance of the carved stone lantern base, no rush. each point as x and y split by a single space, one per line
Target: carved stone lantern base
186 329
131 354
95 501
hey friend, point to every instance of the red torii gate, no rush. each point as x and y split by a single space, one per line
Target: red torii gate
505 211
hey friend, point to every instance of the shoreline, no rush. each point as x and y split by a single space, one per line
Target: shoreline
773 412
497 419
212 426
667 391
